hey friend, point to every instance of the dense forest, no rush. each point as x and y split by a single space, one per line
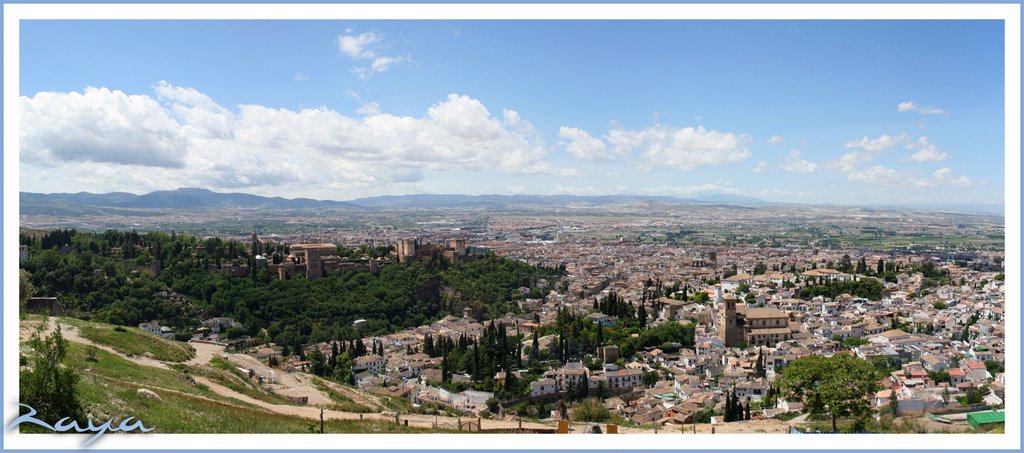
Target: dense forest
111 277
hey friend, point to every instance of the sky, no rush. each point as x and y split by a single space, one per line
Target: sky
848 112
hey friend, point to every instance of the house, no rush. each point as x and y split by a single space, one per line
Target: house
956 376
155 328
934 363
625 378
372 363
543 386
733 283
603 319
572 374
975 371
752 390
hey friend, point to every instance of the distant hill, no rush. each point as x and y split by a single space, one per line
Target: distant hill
84 203
122 203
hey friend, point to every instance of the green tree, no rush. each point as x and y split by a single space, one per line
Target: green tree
50 387
24 287
837 385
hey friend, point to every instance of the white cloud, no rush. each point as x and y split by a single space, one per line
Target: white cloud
849 164
582 145
100 125
369 109
693 191
884 176
683 148
882 142
675 191
870 148
191 140
568 173
360 47
775 140
559 189
927 152
909 106
760 166
794 163
299 77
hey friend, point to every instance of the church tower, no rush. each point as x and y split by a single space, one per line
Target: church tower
729 330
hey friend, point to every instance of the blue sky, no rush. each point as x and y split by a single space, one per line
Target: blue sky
803 111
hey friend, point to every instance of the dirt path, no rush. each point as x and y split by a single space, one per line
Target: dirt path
71 333
283 383
366 399
204 353
414 420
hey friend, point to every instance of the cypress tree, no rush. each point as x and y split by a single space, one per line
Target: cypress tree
534 349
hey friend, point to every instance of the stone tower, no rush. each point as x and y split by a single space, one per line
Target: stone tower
729 329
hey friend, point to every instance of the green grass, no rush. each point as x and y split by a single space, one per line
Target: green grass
340 402
133 341
112 368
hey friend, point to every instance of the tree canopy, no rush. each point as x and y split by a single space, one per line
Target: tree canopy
839 385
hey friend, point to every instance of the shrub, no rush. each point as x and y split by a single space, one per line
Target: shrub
590 410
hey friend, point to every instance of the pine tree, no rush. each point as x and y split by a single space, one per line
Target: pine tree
880 269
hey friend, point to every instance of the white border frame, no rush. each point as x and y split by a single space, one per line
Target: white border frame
1009 13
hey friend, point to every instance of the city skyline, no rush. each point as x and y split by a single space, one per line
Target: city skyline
787 111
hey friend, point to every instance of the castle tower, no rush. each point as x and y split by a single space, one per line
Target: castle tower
406 250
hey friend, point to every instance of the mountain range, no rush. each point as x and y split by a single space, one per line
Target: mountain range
115 203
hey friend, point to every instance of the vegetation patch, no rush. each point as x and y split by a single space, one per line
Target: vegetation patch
135 342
